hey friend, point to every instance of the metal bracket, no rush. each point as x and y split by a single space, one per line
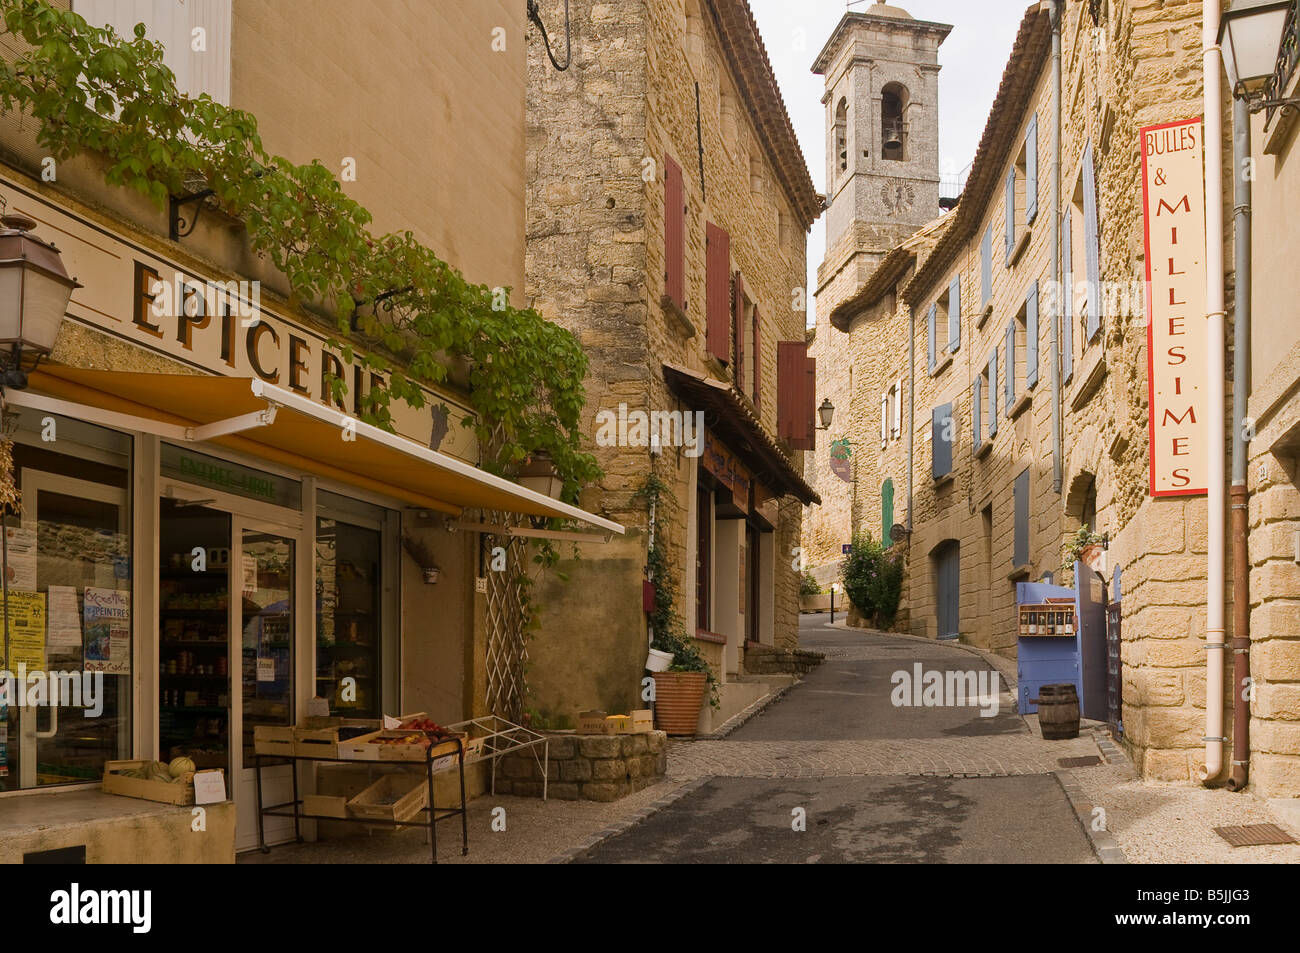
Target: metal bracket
491 529
174 220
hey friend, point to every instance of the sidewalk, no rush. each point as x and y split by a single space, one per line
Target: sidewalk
1152 822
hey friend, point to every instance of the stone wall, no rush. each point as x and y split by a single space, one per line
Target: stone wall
765 660
587 767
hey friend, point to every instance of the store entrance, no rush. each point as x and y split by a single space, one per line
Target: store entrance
225 573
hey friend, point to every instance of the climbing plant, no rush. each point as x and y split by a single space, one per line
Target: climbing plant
92 91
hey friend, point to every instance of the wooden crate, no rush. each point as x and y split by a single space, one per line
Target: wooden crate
1047 619
370 749
409 794
327 805
322 742
273 740
167 792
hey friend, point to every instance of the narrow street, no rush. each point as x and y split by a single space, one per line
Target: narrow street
875 782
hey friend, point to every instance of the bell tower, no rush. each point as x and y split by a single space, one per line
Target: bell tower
881 67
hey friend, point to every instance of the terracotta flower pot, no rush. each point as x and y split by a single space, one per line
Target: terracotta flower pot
679 696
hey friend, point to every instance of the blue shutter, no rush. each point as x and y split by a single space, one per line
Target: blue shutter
986 268
1031 336
1020 541
1031 170
1011 213
993 393
954 314
930 345
977 410
1067 297
1091 248
1009 390
941 441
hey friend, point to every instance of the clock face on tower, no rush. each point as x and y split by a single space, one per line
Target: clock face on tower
897 196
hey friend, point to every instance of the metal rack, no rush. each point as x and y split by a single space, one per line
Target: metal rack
501 737
435 814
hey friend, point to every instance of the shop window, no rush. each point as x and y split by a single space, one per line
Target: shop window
349 634
69 585
893 127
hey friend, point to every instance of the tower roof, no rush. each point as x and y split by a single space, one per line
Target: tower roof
876 15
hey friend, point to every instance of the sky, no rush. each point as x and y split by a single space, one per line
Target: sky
971 62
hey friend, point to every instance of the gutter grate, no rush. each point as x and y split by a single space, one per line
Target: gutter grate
1254 835
1087 761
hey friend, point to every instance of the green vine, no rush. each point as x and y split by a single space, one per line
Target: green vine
95 92
668 634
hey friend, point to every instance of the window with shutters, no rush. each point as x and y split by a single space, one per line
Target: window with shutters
1022 355
674 234
983 408
741 331
943 328
195 37
1085 256
991 393
1020 541
717 292
796 379
887 513
1021 198
756 349
986 275
1068 306
943 434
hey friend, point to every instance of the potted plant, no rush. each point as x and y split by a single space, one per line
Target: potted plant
681 689
1084 546
423 556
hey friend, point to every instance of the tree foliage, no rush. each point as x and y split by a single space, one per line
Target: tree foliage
873 580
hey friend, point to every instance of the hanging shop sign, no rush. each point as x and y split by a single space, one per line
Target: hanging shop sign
841 465
727 469
1173 212
217 325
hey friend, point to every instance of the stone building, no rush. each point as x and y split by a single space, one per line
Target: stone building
668 209
1026 411
206 429
881 69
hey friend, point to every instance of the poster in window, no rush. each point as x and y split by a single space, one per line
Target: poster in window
107 618
26 631
20 565
64 622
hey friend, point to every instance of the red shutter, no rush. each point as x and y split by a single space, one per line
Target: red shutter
717 296
795 385
674 234
738 330
809 441
758 363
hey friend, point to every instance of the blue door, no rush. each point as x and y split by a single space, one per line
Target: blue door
948 590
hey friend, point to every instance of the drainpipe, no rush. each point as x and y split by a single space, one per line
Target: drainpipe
1214 576
1240 495
911 403
1056 246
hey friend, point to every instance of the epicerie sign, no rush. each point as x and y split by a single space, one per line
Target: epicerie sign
1173 213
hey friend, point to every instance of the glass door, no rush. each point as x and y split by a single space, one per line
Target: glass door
266 626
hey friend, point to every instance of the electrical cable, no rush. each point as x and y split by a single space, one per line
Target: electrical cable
568 49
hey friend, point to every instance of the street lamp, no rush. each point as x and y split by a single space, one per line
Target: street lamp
1250 38
826 412
540 476
34 293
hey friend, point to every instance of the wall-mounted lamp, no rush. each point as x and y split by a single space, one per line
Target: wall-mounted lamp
1251 35
540 476
34 293
827 413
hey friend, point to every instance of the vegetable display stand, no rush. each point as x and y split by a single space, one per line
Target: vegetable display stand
435 752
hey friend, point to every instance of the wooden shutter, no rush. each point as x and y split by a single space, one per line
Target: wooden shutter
1067 296
931 317
886 513
795 386
674 233
1090 247
993 393
898 408
976 411
1031 336
1009 389
1031 170
884 419
738 329
941 441
954 314
717 294
986 268
1011 213
1020 543
758 361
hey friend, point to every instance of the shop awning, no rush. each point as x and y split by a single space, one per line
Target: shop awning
266 421
728 416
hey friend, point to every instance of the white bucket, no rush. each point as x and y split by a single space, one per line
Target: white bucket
658 661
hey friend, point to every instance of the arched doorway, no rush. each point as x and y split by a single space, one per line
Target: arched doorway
947 589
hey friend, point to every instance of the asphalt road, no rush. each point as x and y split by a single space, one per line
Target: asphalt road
862 819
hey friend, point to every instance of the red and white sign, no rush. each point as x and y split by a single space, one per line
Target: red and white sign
1173 212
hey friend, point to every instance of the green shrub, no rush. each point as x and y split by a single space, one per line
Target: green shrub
873 580
808 586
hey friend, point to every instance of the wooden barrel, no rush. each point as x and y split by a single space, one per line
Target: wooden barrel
1058 711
